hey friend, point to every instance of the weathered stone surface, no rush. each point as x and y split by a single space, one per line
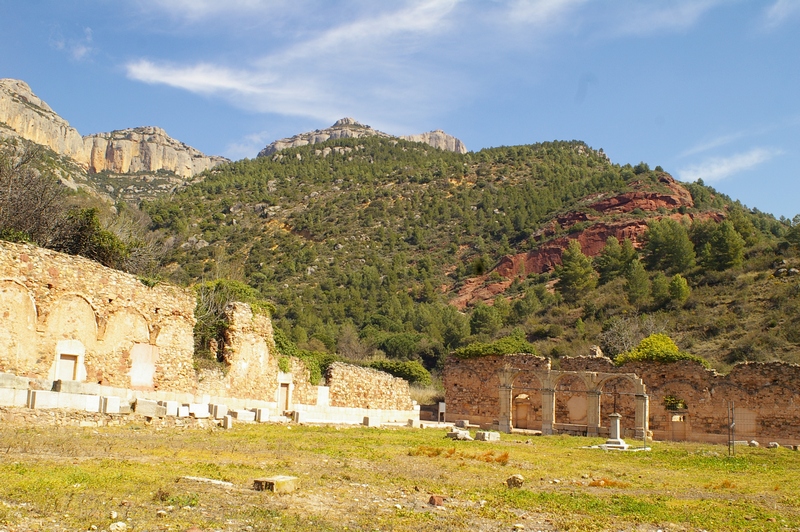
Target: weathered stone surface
116 328
358 387
350 128
243 415
515 481
227 422
110 405
458 434
436 500
276 484
143 407
483 435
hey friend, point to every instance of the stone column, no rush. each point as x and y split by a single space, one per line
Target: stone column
642 419
614 441
507 376
593 412
548 410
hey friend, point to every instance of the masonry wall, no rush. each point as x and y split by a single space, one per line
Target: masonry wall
119 331
357 387
766 396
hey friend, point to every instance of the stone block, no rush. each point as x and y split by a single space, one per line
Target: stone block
483 435
277 484
125 407
183 411
171 407
9 380
458 434
42 399
199 410
77 387
227 422
92 403
371 421
145 407
262 415
110 405
13 397
219 411
299 417
462 423
244 415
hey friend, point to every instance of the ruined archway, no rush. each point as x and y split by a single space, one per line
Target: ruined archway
17 328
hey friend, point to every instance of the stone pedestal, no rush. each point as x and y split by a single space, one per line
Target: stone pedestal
614 441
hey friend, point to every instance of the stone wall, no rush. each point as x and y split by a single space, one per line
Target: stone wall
357 387
766 396
69 314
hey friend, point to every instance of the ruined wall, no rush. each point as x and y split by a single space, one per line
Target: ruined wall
766 395
357 387
63 313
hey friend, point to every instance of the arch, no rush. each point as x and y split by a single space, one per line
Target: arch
618 395
18 337
111 363
571 399
70 332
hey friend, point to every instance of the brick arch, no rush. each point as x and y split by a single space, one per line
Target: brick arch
110 363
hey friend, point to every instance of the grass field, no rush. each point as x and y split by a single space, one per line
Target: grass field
69 478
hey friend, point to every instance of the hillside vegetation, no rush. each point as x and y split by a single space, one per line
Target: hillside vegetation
362 247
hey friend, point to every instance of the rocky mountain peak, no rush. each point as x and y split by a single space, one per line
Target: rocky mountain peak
351 128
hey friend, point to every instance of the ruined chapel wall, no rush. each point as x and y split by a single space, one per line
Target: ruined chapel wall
356 387
766 395
57 298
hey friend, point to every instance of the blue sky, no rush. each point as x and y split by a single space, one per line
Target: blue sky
707 89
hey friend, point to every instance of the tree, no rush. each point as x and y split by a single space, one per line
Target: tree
637 286
679 290
615 259
659 289
668 246
726 247
575 275
485 320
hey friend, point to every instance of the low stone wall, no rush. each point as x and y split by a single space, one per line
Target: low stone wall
357 387
765 396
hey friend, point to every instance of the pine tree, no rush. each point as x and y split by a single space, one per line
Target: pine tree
575 276
637 286
668 246
678 290
727 247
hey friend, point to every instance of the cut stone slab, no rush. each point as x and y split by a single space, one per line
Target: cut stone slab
171 406
243 415
227 422
462 423
262 415
277 484
219 411
42 399
145 407
110 405
458 434
9 380
199 410
483 435
183 411
370 421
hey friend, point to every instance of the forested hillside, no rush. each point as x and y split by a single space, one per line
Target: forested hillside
368 246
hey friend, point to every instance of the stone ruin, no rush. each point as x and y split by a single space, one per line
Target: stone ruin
75 334
668 401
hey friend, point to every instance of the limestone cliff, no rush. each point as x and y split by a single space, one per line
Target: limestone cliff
145 149
350 128
127 151
23 114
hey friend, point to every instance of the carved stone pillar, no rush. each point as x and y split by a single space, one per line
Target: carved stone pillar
642 419
507 375
548 410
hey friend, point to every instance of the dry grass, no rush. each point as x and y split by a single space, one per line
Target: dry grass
63 478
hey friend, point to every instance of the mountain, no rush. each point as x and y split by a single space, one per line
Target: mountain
377 243
156 162
350 128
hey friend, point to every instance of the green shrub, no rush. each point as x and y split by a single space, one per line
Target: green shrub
657 348
508 345
410 370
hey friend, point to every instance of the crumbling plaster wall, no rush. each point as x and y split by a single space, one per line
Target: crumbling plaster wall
766 395
53 304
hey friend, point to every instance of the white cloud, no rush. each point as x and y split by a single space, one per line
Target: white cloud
540 12
779 12
357 68
719 168
645 18
77 49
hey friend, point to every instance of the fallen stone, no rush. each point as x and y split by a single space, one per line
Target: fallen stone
227 422
462 423
243 415
483 435
753 443
161 513
457 434
515 481
773 445
436 500
277 484
119 526
219 411
145 407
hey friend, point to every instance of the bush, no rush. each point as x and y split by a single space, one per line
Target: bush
657 348
509 345
410 370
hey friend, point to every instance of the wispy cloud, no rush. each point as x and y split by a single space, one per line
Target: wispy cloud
779 12
719 168
710 144
639 18
77 49
350 68
541 12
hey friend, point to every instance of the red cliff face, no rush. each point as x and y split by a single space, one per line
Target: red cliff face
592 237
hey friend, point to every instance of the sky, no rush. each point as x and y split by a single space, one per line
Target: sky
706 89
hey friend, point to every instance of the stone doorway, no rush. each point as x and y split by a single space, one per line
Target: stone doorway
67 367
283 397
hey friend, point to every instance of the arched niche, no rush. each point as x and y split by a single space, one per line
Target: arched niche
70 332
18 337
125 337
